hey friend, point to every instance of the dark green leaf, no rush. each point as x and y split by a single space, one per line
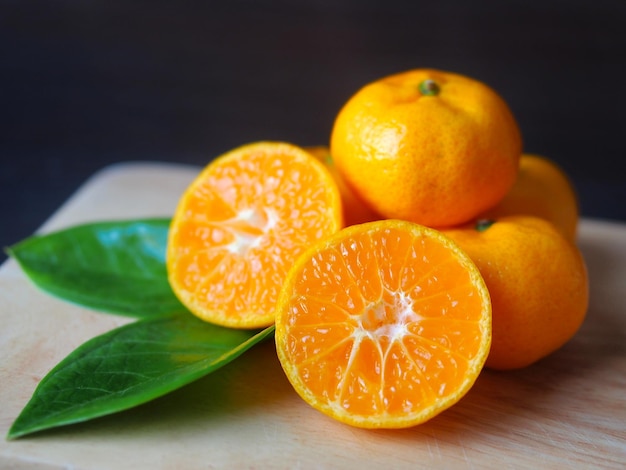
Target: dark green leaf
117 267
129 366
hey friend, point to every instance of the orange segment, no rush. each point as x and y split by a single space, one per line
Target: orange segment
240 225
383 325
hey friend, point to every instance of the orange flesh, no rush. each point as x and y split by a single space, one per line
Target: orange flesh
376 337
241 226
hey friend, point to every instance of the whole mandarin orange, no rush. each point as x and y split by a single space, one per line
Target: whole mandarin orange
355 211
538 283
544 190
428 146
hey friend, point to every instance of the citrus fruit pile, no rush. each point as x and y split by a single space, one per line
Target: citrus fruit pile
418 247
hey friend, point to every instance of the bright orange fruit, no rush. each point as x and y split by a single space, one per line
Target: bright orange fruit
428 146
538 284
542 189
241 224
355 211
383 325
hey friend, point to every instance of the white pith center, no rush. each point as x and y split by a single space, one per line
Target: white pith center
388 317
248 229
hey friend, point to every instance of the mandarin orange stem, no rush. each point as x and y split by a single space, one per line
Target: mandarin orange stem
483 224
429 87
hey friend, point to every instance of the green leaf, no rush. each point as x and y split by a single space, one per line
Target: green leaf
116 267
129 366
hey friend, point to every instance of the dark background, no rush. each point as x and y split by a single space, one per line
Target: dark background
86 83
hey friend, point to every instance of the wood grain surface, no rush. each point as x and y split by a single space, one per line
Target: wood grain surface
567 411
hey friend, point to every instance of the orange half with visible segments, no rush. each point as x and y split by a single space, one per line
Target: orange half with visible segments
383 325
241 224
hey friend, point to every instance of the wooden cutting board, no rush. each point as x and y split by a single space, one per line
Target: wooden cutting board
568 411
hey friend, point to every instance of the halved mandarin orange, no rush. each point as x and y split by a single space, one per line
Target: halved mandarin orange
241 224
383 325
